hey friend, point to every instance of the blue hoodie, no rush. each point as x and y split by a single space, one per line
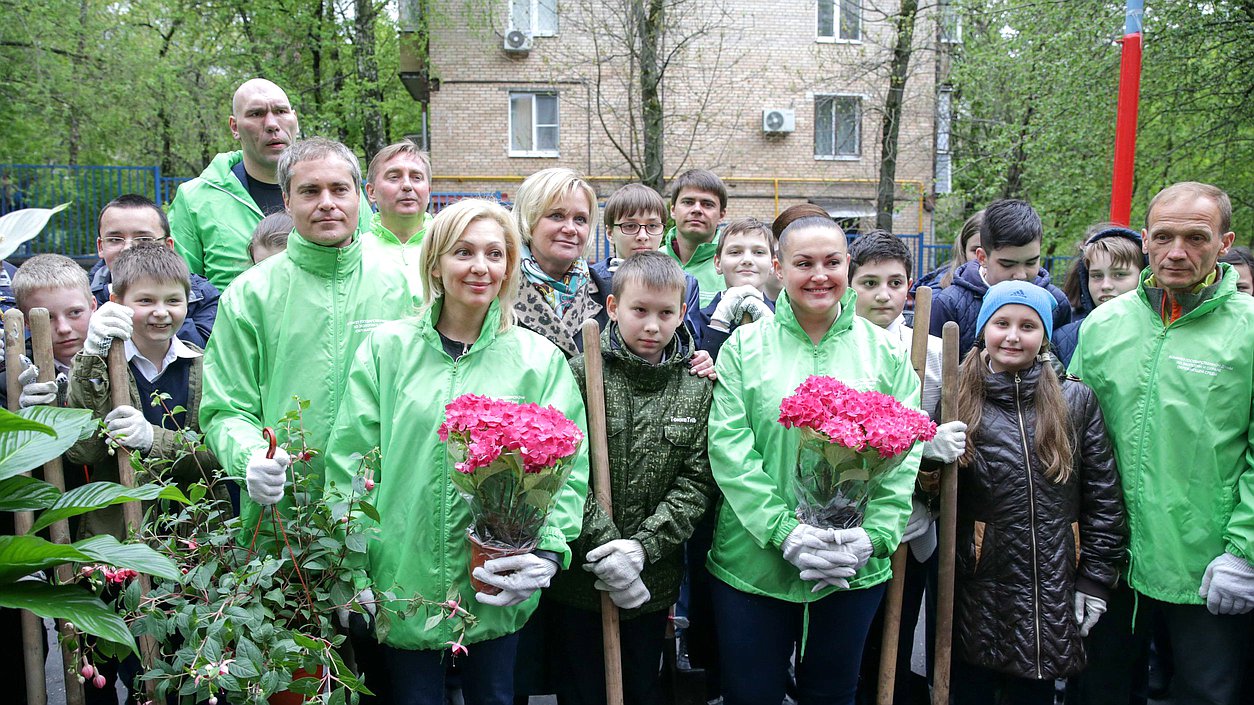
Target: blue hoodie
960 302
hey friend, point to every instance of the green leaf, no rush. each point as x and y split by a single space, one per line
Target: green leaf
24 494
23 555
70 602
355 543
97 495
11 422
369 510
24 450
136 556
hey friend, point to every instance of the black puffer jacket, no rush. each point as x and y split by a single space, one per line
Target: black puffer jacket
1026 543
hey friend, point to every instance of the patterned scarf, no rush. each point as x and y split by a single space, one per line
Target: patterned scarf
559 295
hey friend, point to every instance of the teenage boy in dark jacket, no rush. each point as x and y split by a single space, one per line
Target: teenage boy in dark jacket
660 483
1010 249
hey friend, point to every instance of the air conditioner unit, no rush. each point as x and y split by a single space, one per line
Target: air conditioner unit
517 42
777 120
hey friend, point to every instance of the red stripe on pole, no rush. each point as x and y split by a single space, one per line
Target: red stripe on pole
1125 130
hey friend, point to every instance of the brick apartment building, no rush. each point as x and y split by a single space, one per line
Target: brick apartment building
781 98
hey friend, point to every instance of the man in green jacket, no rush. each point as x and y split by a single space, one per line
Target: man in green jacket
698 203
1172 364
290 326
398 183
213 216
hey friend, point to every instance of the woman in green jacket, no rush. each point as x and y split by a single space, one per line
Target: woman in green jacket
463 342
780 584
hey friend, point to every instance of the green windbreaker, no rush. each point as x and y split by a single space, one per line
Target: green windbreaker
1177 402
753 456
287 327
700 266
212 220
398 386
381 242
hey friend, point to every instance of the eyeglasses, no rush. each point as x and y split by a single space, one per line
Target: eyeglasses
115 241
634 228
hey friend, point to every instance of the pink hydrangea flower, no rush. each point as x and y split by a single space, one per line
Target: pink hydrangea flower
484 428
857 420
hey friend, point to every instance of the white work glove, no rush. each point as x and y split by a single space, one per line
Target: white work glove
756 309
726 313
816 554
920 521
857 542
805 539
517 577
34 392
1228 585
616 563
265 476
949 444
111 320
630 597
365 598
129 428
1087 611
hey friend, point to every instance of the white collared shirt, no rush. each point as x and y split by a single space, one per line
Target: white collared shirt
146 367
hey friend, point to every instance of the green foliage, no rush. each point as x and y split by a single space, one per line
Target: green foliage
38 434
150 81
1036 88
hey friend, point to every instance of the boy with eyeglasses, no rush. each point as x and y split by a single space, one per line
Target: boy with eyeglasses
635 220
133 220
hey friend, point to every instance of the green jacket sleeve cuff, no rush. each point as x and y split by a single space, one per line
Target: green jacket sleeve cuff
785 527
1231 547
879 546
552 540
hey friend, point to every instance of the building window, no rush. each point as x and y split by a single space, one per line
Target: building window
837 127
840 20
533 125
535 17
950 22
944 119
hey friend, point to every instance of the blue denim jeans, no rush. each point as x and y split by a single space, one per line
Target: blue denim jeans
487 673
757 636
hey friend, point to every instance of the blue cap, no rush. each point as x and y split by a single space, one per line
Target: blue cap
1016 292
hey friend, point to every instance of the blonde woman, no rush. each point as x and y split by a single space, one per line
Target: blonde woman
463 341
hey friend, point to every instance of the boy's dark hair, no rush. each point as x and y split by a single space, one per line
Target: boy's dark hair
1009 223
271 233
1239 254
652 270
701 180
879 246
148 262
134 200
631 199
747 225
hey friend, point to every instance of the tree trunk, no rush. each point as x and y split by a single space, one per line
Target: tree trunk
315 55
372 135
898 73
1014 172
650 17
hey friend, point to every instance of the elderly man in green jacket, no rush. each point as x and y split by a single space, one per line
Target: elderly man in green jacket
213 216
290 325
1172 364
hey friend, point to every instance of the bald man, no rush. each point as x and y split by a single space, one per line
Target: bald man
213 216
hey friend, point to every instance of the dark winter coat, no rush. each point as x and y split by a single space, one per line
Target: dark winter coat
709 339
1026 544
533 312
659 469
961 301
692 290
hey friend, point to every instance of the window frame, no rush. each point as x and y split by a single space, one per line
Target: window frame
949 14
534 29
534 153
837 10
861 99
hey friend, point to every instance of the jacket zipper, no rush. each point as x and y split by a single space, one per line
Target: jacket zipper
1133 517
1036 583
444 508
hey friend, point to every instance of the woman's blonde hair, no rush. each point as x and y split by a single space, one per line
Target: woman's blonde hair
447 229
1053 432
958 255
541 190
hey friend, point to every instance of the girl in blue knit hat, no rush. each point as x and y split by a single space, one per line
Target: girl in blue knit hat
1041 530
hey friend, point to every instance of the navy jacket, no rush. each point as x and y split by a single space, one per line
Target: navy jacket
960 302
202 304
